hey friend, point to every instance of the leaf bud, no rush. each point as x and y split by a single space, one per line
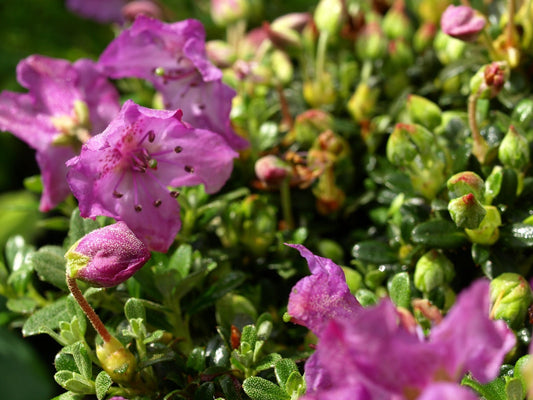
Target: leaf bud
464 183
433 270
488 232
107 256
514 150
116 360
510 296
466 211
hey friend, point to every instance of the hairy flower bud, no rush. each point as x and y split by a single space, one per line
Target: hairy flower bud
424 36
466 211
362 103
396 24
107 256
464 183
432 270
371 43
488 232
462 22
514 150
116 360
510 296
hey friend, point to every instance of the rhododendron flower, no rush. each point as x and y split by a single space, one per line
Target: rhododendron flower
324 295
66 104
130 171
107 256
375 350
462 22
173 58
103 11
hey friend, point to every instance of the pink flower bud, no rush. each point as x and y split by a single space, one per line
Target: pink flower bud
107 256
271 170
462 23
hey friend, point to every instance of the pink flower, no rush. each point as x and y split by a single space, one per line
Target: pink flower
173 58
66 104
103 11
107 256
130 172
462 22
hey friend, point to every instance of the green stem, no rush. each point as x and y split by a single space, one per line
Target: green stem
285 192
94 319
321 54
480 146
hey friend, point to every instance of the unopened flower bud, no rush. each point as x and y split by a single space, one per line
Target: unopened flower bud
400 54
466 182
488 232
362 103
272 170
400 149
284 32
423 111
220 53
328 16
141 7
116 360
424 36
371 43
510 296
308 125
462 22
396 24
433 270
226 12
489 80
282 66
466 211
107 256
447 48
514 150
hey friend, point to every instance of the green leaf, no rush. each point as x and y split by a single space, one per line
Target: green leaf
514 389
228 388
517 235
440 234
134 308
268 361
81 358
196 359
374 252
17 252
494 390
206 391
74 382
258 388
366 297
47 318
49 262
79 227
22 305
102 383
400 290
65 362
295 385
225 284
283 369
181 260
69 396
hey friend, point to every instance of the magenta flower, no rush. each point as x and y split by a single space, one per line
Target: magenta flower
107 256
462 22
321 297
66 104
103 11
375 350
173 58
131 170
